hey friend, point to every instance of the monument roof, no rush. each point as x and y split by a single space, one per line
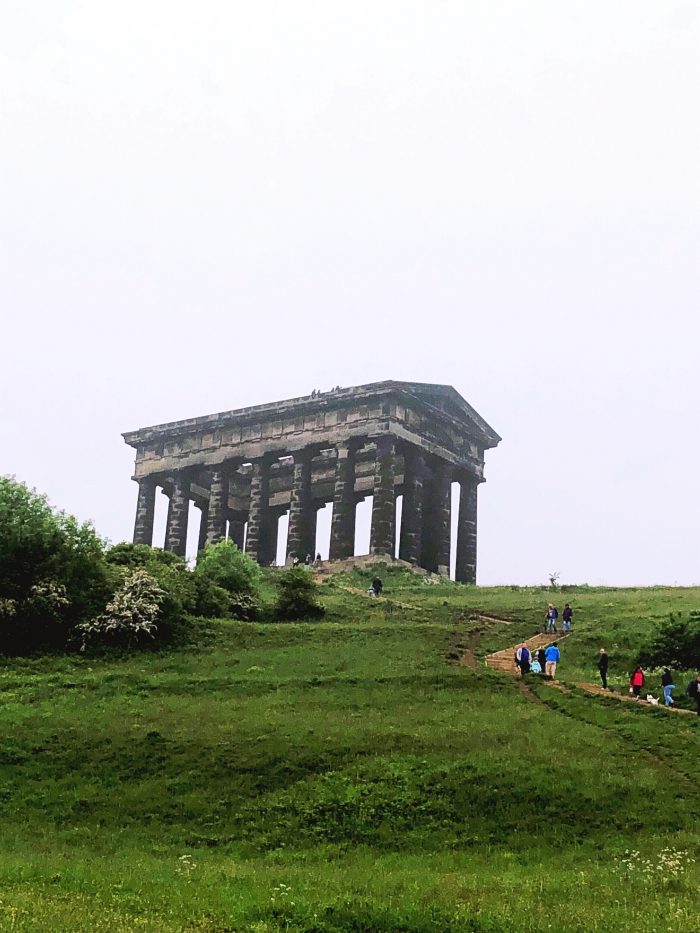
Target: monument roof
443 399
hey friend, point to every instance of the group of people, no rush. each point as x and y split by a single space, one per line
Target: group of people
542 661
638 680
550 619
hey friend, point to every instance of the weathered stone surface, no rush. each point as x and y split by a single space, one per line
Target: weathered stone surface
218 506
259 514
301 536
465 568
383 502
412 511
342 543
178 514
254 463
145 510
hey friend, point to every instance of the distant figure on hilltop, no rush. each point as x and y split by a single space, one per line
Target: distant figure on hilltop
566 617
603 667
551 619
376 587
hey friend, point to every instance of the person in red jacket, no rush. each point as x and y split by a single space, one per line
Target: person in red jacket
636 682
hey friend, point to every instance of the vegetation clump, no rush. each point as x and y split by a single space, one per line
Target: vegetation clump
676 643
130 617
297 595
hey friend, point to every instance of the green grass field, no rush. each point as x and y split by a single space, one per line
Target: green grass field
348 775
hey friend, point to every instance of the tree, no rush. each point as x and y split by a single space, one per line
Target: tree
676 643
297 595
52 570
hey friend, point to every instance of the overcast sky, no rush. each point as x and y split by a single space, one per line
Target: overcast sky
206 205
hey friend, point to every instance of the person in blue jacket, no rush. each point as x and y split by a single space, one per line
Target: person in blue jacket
552 658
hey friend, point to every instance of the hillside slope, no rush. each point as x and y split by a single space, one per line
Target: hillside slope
351 775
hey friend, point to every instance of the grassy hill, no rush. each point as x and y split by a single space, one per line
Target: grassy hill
349 775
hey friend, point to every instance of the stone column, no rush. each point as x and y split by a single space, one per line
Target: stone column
299 537
412 511
202 540
443 515
259 514
218 506
145 510
383 501
343 518
465 568
178 513
236 531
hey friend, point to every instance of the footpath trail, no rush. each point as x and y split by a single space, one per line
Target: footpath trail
503 662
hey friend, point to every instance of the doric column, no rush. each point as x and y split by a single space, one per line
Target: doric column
145 510
443 515
218 506
176 532
236 531
299 537
202 539
412 510
343 518
259 514
383 502
465 569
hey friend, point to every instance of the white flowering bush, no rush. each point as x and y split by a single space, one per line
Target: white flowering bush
131 615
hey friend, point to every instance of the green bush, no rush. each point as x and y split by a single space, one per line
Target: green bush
228 567
52 571
297 595
676 643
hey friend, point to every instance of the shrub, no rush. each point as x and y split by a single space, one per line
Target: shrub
297 596
676 643
52 571
131 615
228 567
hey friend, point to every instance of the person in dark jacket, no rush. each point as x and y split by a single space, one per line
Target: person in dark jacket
542 659
603 667
693 691
668 686
377 586
566 617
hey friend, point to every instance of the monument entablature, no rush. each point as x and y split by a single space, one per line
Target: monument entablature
245 468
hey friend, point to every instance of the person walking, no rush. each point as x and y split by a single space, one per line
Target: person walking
668 686
551 660
522 659
566 618
693 691
551 619
636 682
603 667
542 659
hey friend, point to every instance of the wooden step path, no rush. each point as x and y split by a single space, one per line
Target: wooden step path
504 661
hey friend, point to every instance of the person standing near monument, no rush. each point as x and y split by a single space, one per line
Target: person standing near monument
522 659
551 619
603 667
636 682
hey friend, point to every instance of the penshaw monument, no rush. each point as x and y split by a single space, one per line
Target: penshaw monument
244 469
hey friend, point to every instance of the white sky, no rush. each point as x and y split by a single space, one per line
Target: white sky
205 205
